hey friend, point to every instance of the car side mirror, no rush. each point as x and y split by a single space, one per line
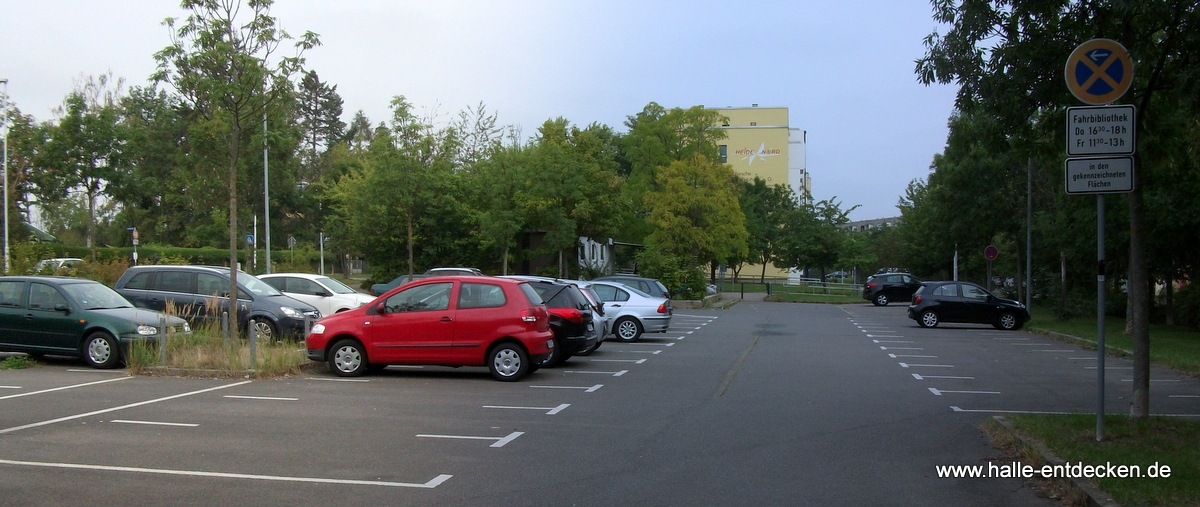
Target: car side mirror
62 307
324 293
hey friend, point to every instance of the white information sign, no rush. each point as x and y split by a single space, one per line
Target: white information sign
1099 175
1104 130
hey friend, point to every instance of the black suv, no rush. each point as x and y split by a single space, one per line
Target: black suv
884 288
201 293
650 286
570 319
937 302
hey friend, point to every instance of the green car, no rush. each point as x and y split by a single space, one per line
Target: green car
55 315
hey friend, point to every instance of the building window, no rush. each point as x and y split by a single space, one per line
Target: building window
753 124
723 153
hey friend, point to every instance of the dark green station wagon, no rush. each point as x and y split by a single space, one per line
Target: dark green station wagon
62 316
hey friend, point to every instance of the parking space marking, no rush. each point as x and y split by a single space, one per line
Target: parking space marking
652 344
1049 350
499 441
122 407
885 336
154 423
1109 367
892 341
923 377
93 370
893 356
906 365
613 373
709 317
267 398
222 475
641 351
1028 344
881 347
634 361
1152 380
1184 396
338 379
1093 358
10 387
938 392
43 391
586 389
1010 338
552 410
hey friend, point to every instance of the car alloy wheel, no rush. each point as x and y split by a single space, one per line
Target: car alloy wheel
929 319
1008 322
508 362
100 350
263 327
628 329
881 299
347 359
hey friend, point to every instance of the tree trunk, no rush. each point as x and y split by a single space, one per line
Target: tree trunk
1140 404
409 226
234 148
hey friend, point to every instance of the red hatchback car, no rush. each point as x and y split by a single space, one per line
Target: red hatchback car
447 321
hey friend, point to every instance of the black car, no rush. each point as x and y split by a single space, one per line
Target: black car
884 288
650 286
937 302
201 293
570 320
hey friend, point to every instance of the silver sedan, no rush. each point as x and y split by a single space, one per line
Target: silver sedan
632 311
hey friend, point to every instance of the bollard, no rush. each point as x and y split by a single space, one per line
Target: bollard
162 340
253 342
225 325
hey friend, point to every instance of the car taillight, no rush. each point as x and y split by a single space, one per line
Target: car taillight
528 315
916 300
570 314
662 308
872 285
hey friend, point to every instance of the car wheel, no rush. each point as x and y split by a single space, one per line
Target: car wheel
508 362
348 359
100 350
881 299
628 329
591 349
1008 322
554 357
266 330
928 319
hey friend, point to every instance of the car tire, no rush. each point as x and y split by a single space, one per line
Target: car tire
591 349
1008 322
266 329
508 362
880 299
928 319
555 357
347 358
100 350
628 329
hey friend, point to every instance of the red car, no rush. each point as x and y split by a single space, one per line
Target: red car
445 320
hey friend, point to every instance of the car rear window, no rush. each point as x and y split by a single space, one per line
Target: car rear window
531 295
569 297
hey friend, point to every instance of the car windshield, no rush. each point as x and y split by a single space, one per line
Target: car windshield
256 286
95 296
335 286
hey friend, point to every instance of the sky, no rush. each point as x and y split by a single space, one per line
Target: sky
843 68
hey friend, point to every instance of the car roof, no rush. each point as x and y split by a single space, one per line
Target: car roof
43 278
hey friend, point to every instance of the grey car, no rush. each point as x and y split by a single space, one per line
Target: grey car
632 311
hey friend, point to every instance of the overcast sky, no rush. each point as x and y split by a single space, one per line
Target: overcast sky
844 68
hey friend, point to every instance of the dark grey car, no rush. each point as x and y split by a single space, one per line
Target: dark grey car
201 294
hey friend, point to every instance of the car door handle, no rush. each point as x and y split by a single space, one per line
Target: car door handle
616 306
447 319
28 316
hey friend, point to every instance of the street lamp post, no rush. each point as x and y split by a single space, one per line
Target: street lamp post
4 132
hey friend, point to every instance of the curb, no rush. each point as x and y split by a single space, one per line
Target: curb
1096 497
1073 338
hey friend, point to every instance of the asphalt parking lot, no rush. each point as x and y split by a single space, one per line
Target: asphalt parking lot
764 403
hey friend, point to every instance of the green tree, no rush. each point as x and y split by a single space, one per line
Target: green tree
695 212
765 207
320 114
219 62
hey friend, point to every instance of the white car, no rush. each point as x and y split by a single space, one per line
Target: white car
326 294
631 310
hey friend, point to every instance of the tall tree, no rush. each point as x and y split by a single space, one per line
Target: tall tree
695 212
220 61
766 207
320 110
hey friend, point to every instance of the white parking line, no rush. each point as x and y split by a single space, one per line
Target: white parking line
613 373
93 370
1010 338
652 344
1184 396
500 441
122 407
641 351
709 317
552 410
892 341
1048 350
268 398
10 387
338 379
1109 367
906 365
431 484
154 423
634 361
1131 380
881 347
957 409
64 388
893 356
938 392
885 336
923 377
586 389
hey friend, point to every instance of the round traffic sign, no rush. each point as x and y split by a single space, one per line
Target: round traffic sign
1099 71
991 252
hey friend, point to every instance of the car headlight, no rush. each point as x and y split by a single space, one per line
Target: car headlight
186 327
291 312
145 330
318 329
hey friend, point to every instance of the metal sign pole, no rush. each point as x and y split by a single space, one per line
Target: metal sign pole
1100 318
